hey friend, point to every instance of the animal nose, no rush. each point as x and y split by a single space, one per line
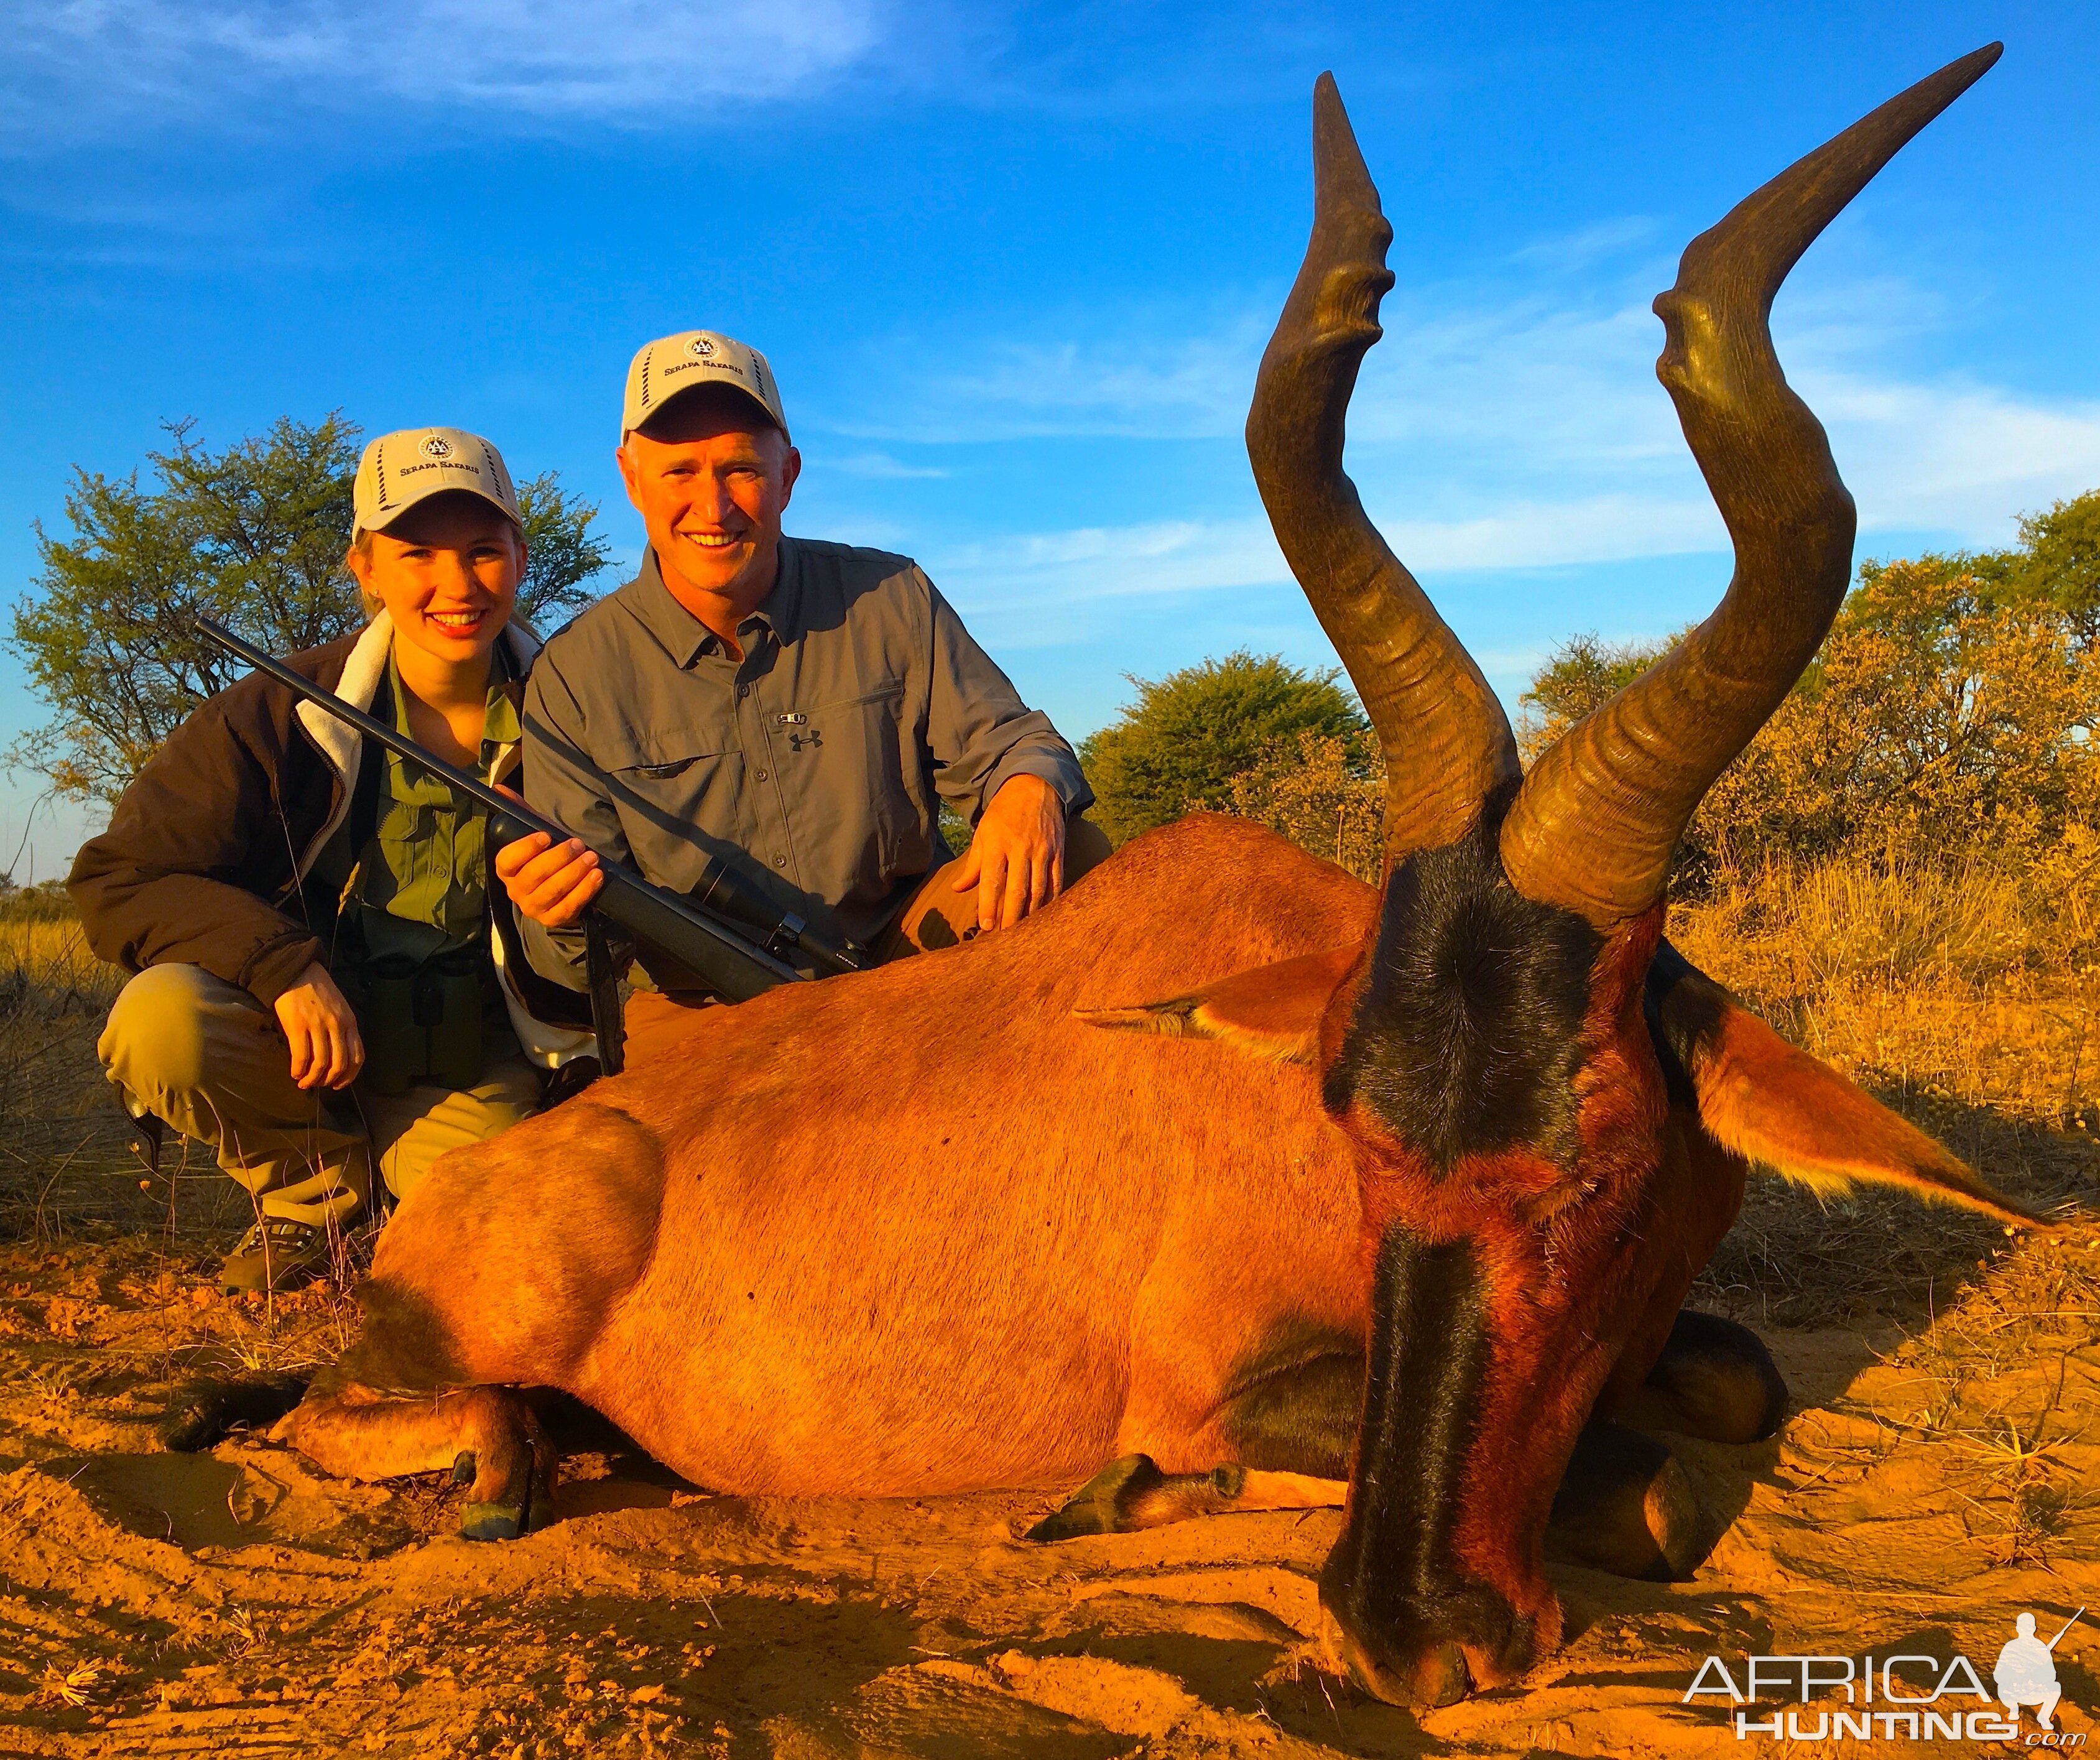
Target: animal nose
1431 1659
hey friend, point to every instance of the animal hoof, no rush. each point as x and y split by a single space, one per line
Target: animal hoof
1624 1506
491 1521
1102 1505
1714 1380
202 1413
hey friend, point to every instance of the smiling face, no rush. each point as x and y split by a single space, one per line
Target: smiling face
447 571
711 477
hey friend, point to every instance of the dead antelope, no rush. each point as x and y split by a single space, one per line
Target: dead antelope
1402 1189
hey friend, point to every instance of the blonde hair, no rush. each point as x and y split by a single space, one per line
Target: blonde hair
361 546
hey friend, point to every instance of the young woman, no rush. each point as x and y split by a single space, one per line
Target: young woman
322 985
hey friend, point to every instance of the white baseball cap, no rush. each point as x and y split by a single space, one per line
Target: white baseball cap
401 469
672 364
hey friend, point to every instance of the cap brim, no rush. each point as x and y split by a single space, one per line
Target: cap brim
725 384
403 512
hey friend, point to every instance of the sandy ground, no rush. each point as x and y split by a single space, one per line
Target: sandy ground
1927 1489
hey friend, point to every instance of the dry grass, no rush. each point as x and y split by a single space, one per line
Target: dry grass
65 1167
1963 999
54 955
1969 1002
1999 1387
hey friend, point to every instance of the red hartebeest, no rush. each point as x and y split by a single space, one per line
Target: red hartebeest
1404 1188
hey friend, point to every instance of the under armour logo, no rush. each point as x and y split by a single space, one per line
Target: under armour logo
797 741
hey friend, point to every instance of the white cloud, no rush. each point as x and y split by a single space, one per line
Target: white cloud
1127 388
1106 563
1584 249
881 467
1518 433
1042 570
80 63
1952 456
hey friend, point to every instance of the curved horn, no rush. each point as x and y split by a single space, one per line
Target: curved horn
1599 817
1446 740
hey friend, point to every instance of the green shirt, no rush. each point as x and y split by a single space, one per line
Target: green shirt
420 887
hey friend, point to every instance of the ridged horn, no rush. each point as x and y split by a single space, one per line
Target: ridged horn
1598 819
1446 738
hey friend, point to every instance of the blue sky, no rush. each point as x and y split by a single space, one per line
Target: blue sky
1014 267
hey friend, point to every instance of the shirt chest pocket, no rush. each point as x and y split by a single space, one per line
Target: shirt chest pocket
407 867
682 777
861 739
847 755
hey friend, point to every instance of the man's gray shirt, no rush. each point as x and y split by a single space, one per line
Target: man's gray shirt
813 766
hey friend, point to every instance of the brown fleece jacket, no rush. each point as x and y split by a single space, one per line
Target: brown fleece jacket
200 862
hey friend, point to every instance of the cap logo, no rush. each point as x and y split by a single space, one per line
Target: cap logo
437 446
699 345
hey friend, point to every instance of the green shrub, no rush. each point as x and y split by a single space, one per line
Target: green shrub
1179 745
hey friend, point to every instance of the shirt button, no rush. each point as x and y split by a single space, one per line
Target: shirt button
780 861
759 777
743 690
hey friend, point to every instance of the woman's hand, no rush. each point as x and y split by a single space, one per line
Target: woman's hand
321 1028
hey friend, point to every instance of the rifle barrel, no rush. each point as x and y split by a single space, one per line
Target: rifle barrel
712 952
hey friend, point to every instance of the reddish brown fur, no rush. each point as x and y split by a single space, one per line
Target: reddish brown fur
1273 1011
1563 1273
1772 1104
1695 1195
924 1229
866 1184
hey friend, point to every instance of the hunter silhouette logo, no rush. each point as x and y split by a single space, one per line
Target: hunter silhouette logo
437 446
2026 1671
1894 1698
700 346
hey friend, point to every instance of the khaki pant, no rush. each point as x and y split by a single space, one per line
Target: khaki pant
209 1059
937 917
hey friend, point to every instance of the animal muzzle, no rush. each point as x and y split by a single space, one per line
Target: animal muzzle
1404 1612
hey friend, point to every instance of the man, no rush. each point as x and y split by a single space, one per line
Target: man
796 709
320 984
2025 1674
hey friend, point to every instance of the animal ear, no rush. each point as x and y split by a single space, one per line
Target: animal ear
1270 1010
1771 1104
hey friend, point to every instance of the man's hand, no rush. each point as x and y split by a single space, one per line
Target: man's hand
553 884
321 1027
1016 860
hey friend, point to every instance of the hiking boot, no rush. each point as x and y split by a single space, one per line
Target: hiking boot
276 1252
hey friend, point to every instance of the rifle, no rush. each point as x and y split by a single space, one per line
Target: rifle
693 935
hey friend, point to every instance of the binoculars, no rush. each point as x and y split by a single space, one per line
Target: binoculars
422 1020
